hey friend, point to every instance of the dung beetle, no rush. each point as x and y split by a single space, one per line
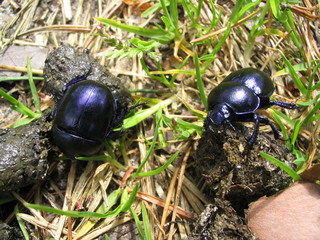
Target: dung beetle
84 117
237 98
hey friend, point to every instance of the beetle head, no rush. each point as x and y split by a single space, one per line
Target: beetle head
218 116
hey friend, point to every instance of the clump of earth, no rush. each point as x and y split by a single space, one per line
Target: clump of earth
25 151
237 175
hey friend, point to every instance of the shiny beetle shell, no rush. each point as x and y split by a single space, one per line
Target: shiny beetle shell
253 79
236 96
83 118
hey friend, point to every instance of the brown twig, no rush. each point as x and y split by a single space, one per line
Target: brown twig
178 191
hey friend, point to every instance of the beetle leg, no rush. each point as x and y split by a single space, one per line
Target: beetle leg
113 124
257 120
284 104
230 124
137 105
273 128
77 79
116 120
253 137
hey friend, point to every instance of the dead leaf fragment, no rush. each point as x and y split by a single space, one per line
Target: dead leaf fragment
292 214
312 174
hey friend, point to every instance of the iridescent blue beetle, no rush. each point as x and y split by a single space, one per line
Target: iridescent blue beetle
84 117
238 96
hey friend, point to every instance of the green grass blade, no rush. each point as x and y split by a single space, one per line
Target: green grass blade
75 214
128 202
309 118
306 104
22 122
158 170
295 133
111 160
160 79
123 207
275 7
300 160
168 23
246 8
184 62
157 34
214 20
164 79
161 29
155 7
174 15
164 8
235 11
185 5
2 78
20 105
298 68
199 81
295 176
145 45
146 223
6 197
188 125
33 87
194 111
294 75
312 78
290 26
143 114
275 116
162 136
198 9
19 110
112 200
171 19
315 118
152 146
21 223
210 57
138 223
283 116
120 54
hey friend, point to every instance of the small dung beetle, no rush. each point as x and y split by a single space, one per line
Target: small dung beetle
83 118
238 96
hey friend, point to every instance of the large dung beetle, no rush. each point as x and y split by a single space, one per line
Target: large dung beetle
84 117
237 98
